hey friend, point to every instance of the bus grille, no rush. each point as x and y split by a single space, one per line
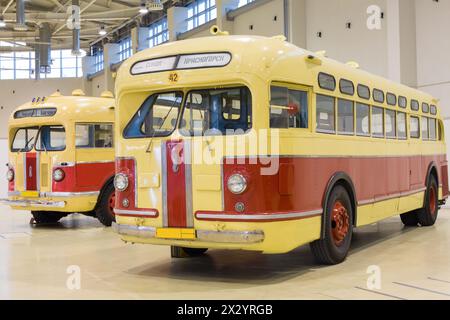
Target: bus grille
44 175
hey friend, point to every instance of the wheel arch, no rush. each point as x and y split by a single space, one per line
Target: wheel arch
432 169
108 182
339 178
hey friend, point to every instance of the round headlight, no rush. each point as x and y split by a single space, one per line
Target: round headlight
121 182
58 175
10 175
237 184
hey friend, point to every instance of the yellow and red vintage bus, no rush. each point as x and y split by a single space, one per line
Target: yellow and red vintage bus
61 157
297 148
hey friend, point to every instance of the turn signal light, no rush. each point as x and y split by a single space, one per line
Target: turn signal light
58 175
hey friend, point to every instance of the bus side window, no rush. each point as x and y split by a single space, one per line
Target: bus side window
377 122
425 135
391 131
414 130
288 108
346 117
94 135
325 114
401 125
432 127
362 119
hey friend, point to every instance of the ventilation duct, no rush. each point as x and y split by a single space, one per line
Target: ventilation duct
76 30
20 16
44 47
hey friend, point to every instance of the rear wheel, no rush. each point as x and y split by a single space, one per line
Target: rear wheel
410 219
338 224
105 210
180 252
47 216
427 216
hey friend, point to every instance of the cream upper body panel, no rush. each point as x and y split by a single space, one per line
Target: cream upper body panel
269 59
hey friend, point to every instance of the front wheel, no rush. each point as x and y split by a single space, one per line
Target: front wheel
47 216
427 216
338 224
105 210
180 252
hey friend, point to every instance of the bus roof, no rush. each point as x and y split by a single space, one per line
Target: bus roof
68 108
269 58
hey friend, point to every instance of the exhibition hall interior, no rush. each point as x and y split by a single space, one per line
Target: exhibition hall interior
224 149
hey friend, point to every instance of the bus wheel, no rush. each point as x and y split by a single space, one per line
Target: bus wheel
338 220
410 219
427 216
105 210
47 216
180 252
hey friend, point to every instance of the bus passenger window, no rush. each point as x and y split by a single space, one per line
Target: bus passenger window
94 135
414 105
414 130
362 119
217 112
401 125
377 122
425 135
391 99
378 95
432 127
345 117
391 131
288 108
363 91
325 114
425 107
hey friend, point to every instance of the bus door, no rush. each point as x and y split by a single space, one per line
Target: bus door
30 171
178 203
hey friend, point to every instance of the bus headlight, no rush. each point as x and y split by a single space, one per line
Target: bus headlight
10 175
237 184
58 175
121 182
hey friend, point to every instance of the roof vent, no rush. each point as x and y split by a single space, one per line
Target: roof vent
353 64
56 94
78 93
107 94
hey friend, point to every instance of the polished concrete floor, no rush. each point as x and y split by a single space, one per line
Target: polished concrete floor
44 263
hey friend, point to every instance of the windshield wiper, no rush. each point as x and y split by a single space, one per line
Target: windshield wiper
26 145
150 144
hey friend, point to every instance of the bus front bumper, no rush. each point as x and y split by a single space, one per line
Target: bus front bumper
235 237
33 203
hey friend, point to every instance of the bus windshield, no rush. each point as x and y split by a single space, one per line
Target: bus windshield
157 117
51 138
217 112
24 139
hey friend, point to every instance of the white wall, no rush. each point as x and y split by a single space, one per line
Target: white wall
14 93
262 18
3 168
433 50
367 47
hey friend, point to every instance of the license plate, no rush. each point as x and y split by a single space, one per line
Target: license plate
175 233
30 194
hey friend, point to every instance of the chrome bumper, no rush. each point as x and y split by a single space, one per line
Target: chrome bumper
237 237
33 203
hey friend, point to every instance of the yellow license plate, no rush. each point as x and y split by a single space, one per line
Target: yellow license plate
175 233
30 194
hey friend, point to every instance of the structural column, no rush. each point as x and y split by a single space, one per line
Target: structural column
176 21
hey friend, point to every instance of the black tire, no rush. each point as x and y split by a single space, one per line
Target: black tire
105 209
47 216
338 220
410 219
427 216
180 252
